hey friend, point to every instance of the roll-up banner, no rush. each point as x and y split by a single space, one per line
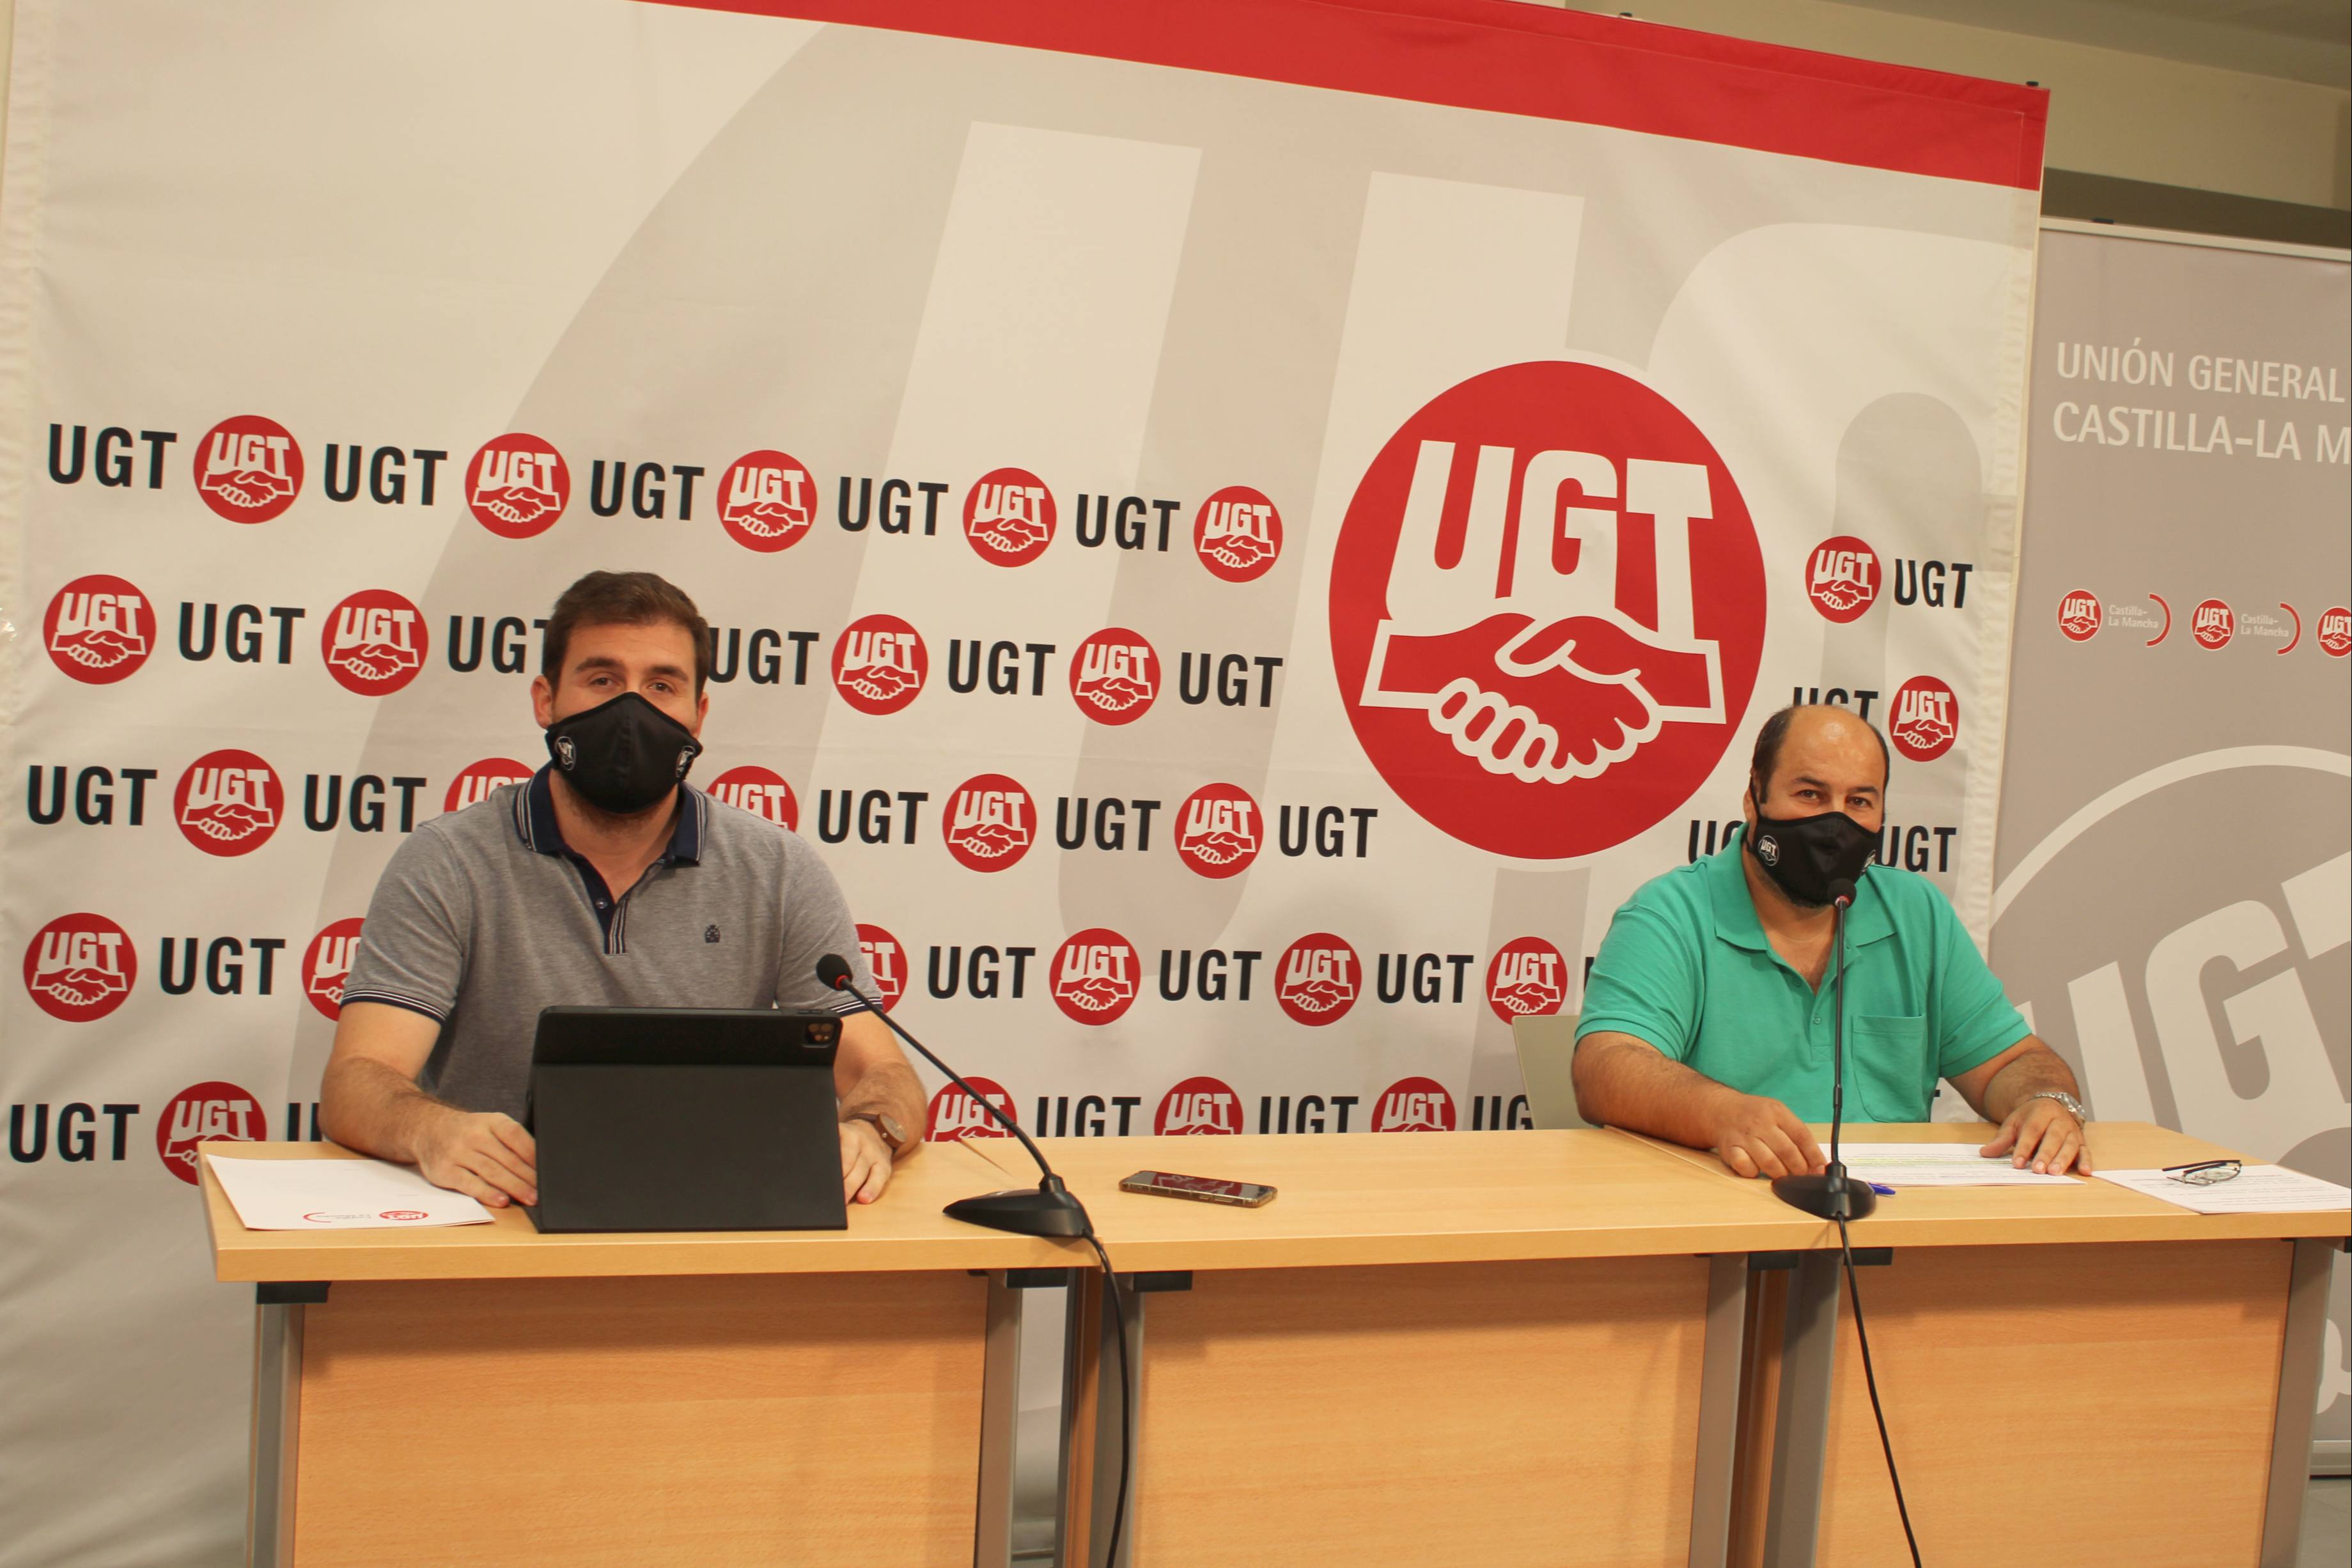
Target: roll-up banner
2173 897
1241 531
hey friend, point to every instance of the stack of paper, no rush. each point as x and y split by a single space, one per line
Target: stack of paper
335 1194
2256 1190
1937 1164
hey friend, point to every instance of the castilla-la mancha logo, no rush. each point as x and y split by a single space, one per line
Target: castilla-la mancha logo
374 643
1238 534
1925 719
1198 1106
955 1114
1413 1105
2212 623
79 968
249 468
1008 517
992 820
886 958
228 802
99 629
1114 676
202 1114
1842 577
767 501
481 780
327 962
517 485
1527 976
1219 830
1318 978
1095 975
759 791
2079 615
879 663
1546 608
2335 630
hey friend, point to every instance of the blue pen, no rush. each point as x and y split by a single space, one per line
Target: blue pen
1881 1189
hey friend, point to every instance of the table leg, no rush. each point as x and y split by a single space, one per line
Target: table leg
277 1421
1000 1423
1111 1396
1718 1410
2299 1386
1793 1521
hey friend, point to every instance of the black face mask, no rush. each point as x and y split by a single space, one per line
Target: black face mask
1803 855
622 756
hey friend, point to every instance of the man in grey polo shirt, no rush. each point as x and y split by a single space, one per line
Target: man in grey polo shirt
605 881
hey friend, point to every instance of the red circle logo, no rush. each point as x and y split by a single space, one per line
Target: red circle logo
1094 976
1238 534
879 663
1842 577
955 1114
760 792
517 485
1317 979
98 628
767 500
249 469
1527 976
2213 624
374 643
1114 676
2079 616
1925 719
2335 631
206 1113
886 958
79 968
1198 1107
481 779
228 802
991 822
1009 518
1219 830
1547 609
326 961
1413 1105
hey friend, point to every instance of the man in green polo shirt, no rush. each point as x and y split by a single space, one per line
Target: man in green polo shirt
1709 1011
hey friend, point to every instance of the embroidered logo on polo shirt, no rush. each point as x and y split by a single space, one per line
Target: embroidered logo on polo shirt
710 934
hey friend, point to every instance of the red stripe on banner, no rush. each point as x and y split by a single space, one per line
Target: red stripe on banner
1515 59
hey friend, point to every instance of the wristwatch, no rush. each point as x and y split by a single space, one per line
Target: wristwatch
2073 1106
894 1136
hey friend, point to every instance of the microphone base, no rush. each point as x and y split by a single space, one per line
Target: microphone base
1832 1195
1042 1210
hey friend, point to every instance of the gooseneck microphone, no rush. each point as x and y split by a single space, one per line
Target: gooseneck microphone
1047 1209
1831 1195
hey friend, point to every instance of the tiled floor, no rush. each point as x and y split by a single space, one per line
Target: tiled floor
2326 1523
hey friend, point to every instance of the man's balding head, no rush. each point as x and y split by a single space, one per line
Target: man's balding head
1819 758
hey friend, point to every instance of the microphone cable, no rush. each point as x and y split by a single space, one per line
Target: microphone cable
1127 1393
1870 1377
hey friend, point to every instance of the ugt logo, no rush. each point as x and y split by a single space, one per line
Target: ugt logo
2336 630
886 958
767 501
956 1114
228 802
249 468
1094 976
79 967
2213 624
327 963
1318 978
1527 978
99 629
1413 1105
1238 534
1198 1107
481 780
992 822
204 1113
1008 517
1114 676
374 643
759 791
517 485
1842 577
1546 578
879 663
2079 616
1219 830
1926 719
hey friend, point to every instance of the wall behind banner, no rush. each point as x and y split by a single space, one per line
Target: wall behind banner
1097 474
2174 894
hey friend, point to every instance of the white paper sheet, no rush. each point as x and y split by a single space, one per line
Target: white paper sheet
2256 1190
335 1194
1939 1165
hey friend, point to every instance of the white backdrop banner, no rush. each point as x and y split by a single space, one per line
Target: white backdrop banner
1242 532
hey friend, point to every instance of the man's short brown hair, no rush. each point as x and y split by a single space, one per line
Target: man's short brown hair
623 599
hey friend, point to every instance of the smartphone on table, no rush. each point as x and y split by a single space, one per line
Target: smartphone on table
1200 1189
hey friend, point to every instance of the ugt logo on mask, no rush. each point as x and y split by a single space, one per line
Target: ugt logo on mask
1547 609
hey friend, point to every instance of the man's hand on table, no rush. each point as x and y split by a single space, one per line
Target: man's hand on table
485 1155
1758 1136
864 1162
2043 1134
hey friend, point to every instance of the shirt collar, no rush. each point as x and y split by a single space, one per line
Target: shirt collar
535 821
1735 907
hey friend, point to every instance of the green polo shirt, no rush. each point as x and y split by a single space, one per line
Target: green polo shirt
1685 968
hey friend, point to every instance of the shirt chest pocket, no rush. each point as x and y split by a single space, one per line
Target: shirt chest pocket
1887 1064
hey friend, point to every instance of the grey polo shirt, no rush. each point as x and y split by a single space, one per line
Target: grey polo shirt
485 916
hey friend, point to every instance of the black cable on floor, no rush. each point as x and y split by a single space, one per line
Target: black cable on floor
1845 1248
1126 1399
